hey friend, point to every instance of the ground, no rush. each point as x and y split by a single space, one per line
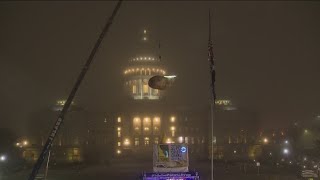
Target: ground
130 170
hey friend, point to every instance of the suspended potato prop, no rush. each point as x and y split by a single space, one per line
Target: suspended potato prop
161 82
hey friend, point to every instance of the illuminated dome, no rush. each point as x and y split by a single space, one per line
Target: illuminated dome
140 69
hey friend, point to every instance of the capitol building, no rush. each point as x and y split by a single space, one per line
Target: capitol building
146 119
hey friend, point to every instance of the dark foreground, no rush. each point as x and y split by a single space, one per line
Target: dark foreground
130 170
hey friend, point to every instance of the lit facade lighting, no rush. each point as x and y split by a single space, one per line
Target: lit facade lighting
25 143
126 142
172 119
168 141
118 151
265 140
173 128
119 119
119 128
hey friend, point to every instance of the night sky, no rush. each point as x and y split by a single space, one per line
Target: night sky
267 55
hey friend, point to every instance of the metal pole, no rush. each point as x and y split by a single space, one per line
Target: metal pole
213 79
47 167
67 104
212 135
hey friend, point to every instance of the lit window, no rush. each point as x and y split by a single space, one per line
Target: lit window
134 89
156 121
145 88
186 140
136 141
119 119
126 142
146 124
146 141
155 91
119 133
136 123
156 140
173 133
119 143
173 119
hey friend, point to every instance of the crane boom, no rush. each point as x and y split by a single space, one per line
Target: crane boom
73 92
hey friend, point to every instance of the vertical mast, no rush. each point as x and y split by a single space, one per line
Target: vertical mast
213 79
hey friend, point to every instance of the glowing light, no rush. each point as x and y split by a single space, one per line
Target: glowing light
172 119
118 151
126 142
144 31
223 102
234 151
146 129
119 128
172 128
286 141
145 58
168 141
149 58
144 38
3 158
285 151
180 139
25 143
17 144
306 131
183 149
119 119
265 140
170 77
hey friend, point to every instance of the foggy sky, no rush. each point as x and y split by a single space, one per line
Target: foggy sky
267 55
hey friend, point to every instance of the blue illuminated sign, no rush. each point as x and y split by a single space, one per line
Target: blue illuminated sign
183 149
